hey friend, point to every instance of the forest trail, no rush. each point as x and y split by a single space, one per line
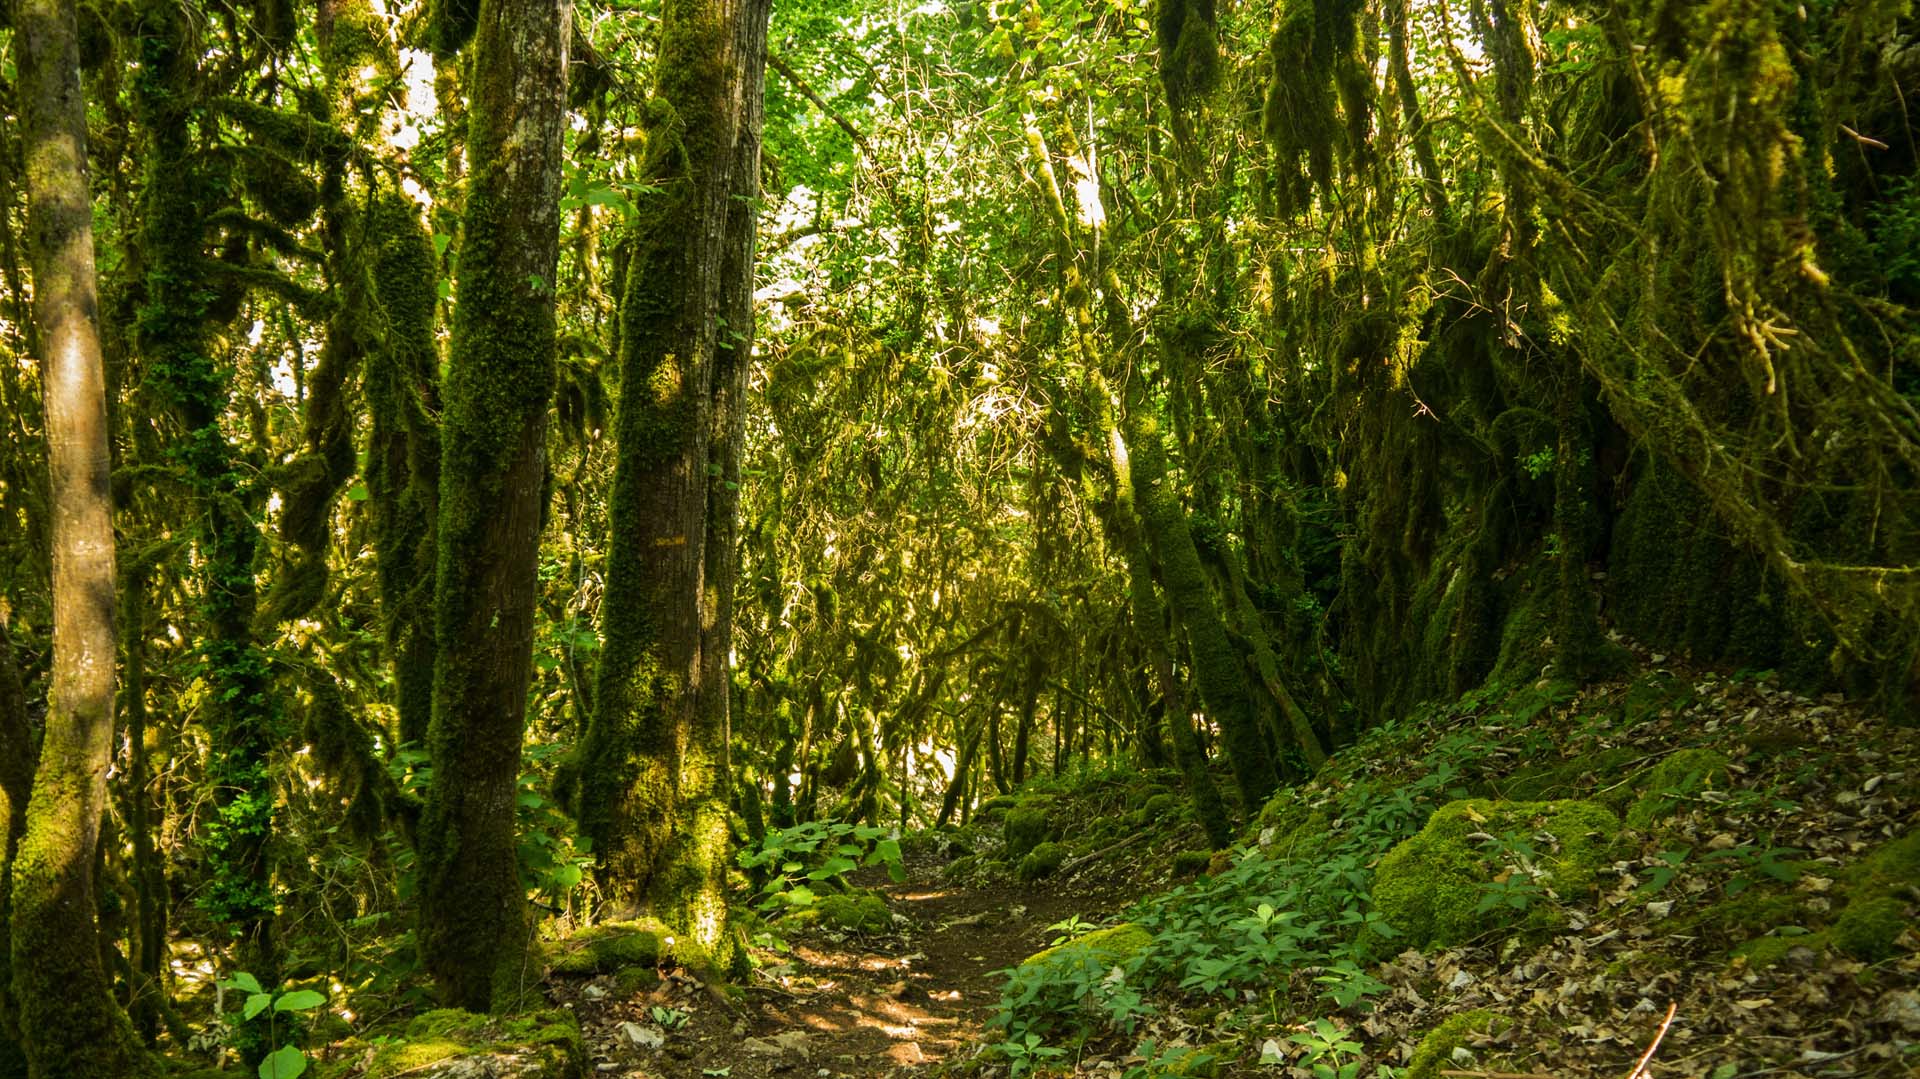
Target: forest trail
847 1005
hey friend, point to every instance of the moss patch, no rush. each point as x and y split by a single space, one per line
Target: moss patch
608 947
855 912
1665 784
1027 827
1435 1053
1043 861
1430 887
1191 863
1870 929
535 1045
1102 948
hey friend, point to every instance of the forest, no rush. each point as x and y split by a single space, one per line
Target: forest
965 539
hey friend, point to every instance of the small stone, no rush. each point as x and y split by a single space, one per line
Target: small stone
824 1073
643 1037
594 992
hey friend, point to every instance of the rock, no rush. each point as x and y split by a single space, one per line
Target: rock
1103 948
608 947
1429 888
643 1037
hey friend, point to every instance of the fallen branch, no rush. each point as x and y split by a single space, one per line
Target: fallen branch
1068 867
1640 1069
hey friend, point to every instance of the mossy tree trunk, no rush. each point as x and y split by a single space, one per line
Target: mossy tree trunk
69 1022
1149 619
473 917
187 379
17 756
652 783
1218 672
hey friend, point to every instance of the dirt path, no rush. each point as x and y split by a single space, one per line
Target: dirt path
849 1007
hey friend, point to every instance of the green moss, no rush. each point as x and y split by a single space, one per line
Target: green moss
1430 887
860 912
608 947
1102 947
960 868
1665 784
1161 806
1435 1052
1870 929
1191 863
1651 694
631 981
1044 861
534 1045
1027 827
1892 865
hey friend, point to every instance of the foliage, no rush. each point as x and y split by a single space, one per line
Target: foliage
820 853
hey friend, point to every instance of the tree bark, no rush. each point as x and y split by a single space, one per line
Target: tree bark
473 916
69 1022
652 771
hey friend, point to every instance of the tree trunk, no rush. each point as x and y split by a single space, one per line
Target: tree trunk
1216 666
69 1021
17 757
652 769
473 917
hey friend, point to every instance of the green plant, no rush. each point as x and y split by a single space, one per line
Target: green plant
1068 928
1330 1053
1752 863
1517 885
289 1061
667 1018
1024 1052
793 860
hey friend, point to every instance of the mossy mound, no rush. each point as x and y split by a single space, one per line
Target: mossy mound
1893 865
453 1044
1191 863
1026 828
1430 887
1101 948
1666 784
854 912
608 947
1435 1053
1043 861
1870 929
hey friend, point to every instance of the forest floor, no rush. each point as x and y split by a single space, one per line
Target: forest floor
832 1004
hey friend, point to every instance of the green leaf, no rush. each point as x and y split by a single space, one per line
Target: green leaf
357 493
286 1062
245 981
256 1003
298 1001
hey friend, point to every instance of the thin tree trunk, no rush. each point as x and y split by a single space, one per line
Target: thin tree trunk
473 916
69 1021
1217 669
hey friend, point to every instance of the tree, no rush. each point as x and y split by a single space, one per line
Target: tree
69 1022
653 770
473 918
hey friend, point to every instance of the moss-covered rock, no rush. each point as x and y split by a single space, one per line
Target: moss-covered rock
1043 861
1891 866
1560 778
855 912
453 1044
608 947
1680 774
1026 828
960 868
1463 1031
1102 948
1870 929
1430 887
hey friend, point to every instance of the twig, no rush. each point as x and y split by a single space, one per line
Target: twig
1640 1069
1496 1075
1069 867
